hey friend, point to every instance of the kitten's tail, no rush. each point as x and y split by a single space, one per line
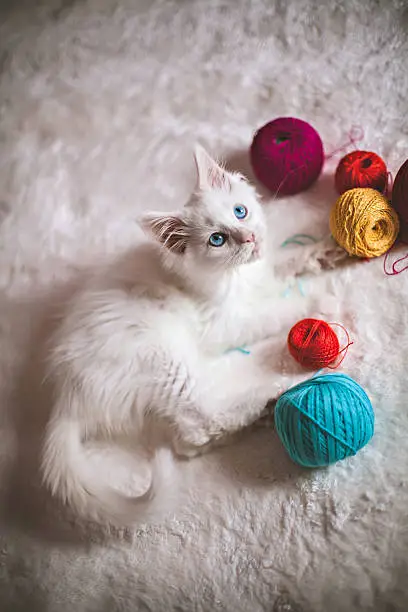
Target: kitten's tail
68 475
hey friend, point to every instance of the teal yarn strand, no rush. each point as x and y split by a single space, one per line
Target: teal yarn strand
324 419
299 239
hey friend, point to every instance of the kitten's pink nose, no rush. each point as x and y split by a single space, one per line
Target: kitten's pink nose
248 237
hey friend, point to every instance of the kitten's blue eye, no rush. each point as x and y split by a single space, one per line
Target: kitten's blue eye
240 211
217 239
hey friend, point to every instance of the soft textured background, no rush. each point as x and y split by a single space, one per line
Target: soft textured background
101 102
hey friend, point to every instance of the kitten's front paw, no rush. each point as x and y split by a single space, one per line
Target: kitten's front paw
332 256
191 442
326 255
267 419
188 451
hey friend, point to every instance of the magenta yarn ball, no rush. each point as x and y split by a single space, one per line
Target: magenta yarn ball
287 155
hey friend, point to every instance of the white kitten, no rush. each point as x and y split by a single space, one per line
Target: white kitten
148 340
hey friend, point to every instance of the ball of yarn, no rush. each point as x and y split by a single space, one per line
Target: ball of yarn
313 343
399 196
361 169
364 223
324 419
287 155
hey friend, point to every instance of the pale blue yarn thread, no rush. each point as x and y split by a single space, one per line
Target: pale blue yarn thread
240 349
301 240
324 419
300 285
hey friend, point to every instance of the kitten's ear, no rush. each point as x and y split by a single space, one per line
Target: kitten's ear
209 174
169 229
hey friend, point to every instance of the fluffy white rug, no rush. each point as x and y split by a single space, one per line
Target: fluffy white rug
101 103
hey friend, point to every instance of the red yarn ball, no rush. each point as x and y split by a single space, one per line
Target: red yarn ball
399 198
287 155
313 343
361 169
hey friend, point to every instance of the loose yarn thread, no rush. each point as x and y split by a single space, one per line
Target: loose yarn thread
364 223
300 286
239 349
298 239
301 240
355 135
394 270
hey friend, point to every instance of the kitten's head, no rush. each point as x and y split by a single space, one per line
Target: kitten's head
221 227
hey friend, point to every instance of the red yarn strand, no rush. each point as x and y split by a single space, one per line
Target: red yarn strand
394 271
355 135
288 175
344 350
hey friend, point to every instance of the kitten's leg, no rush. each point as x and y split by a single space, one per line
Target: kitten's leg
311 259
227 394
261 312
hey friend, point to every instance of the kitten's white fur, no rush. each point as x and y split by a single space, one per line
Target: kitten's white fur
148 341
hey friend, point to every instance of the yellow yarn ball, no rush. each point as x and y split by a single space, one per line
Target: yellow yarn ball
364 223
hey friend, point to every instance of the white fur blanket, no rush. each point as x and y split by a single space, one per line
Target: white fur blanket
101 102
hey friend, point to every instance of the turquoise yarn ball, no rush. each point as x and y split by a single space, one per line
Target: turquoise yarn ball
324 419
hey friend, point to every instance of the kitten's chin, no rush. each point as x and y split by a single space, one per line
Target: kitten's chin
254 256
257 252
